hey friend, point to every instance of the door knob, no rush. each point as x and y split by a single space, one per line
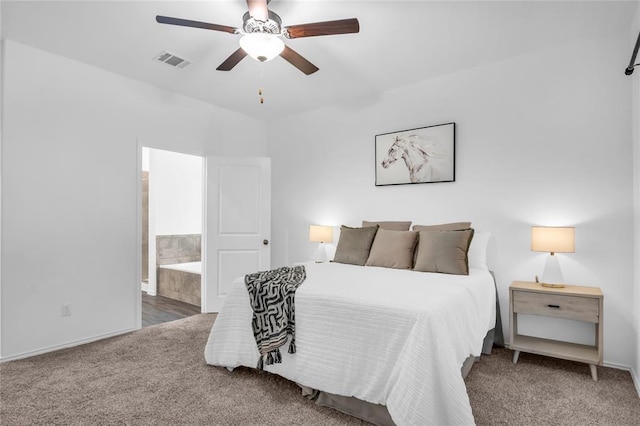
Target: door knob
265 242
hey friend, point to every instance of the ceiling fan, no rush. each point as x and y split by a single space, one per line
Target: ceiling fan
262 31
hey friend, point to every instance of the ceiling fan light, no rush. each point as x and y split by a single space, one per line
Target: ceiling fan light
262 46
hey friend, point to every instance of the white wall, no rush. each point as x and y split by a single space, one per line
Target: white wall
176 180
70 170
635 78
542 139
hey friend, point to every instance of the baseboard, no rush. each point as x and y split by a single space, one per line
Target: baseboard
147 289
616 366
64 345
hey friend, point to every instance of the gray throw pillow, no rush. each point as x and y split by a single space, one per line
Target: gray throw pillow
354 245
454 226
390 225
393 249
444 251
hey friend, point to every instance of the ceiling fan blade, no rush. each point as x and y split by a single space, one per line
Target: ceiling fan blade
195 24
343 26
258 10
295 59
232 60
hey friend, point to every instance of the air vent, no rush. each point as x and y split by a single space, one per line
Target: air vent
171 59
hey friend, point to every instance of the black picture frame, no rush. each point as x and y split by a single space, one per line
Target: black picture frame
420 155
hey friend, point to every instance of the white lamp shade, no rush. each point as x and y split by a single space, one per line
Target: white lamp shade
553 239
262 46
320 234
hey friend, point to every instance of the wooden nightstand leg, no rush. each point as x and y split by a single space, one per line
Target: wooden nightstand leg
594 372
516 354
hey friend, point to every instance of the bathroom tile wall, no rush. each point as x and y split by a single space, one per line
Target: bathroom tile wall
178 248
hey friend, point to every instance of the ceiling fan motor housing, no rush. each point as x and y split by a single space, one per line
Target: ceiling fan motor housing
271 26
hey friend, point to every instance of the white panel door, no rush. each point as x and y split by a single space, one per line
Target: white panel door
238 224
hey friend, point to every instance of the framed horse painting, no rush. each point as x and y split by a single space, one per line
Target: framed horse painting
423 155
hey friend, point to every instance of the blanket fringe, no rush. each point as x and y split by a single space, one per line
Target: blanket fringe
273 357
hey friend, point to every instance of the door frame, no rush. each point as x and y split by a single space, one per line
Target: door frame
138 290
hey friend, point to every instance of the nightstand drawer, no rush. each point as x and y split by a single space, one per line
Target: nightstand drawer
558 306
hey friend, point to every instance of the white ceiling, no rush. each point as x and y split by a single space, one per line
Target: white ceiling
400 42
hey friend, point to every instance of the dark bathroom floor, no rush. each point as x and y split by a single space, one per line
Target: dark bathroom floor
159 309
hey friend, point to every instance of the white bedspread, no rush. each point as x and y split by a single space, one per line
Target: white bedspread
385 336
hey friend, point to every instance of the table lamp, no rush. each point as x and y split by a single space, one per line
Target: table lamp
553 240
321 234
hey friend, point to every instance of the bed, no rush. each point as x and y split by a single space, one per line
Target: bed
394 339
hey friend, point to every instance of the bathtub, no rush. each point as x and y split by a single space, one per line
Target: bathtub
191 267
180 281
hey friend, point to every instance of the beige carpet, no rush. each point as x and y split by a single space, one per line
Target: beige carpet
546 391
158 376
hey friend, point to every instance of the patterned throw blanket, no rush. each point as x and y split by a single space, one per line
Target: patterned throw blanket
272 294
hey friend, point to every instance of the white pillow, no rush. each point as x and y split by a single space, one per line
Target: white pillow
478 250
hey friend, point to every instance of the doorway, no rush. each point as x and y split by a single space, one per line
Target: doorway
171 241
235 231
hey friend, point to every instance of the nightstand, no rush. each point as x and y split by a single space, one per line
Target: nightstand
569 302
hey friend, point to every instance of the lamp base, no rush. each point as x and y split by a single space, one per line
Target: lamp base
321 254
552 275
552 285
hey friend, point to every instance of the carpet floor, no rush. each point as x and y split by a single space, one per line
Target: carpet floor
157 376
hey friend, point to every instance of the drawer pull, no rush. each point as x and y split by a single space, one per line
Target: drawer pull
554 306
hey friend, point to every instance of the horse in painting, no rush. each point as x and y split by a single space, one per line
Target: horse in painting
424 164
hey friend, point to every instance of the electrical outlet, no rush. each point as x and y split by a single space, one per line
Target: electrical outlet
66 310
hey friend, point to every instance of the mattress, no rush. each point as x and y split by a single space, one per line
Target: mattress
385 336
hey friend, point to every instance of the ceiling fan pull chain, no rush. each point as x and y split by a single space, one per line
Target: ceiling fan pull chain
261 83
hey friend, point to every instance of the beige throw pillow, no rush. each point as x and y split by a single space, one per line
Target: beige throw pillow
354 245
390 225
393 249
444 251
454 226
